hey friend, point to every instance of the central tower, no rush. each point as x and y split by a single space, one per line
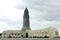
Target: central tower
26 21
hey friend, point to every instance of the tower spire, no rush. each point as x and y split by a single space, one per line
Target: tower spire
26 13
26 22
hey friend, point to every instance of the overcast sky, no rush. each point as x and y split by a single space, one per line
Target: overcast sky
43 13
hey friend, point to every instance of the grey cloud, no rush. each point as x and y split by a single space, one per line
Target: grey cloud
42 10
51 6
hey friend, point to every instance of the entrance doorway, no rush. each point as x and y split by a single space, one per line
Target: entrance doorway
27 35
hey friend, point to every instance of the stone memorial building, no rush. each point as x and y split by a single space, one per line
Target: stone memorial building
28 32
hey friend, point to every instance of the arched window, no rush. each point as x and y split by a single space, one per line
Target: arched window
10 36
15 34
18 34
22 35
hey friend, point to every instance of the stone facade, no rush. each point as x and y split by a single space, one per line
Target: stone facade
11 33
50 32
